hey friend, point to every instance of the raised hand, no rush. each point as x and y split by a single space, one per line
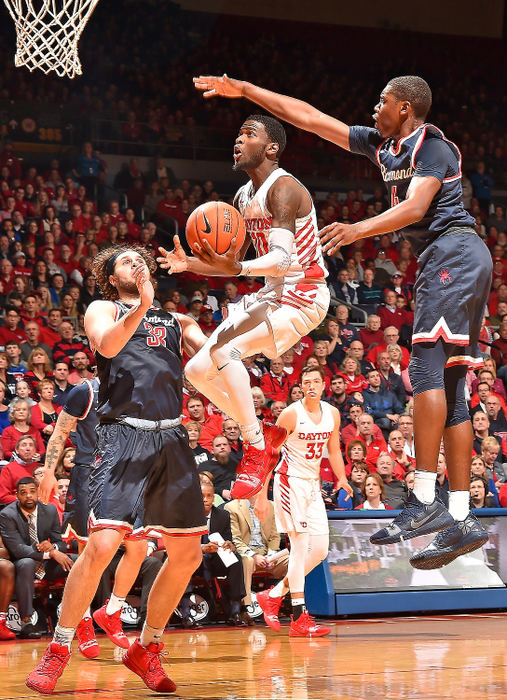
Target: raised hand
141 276
333 236
174 260
215 86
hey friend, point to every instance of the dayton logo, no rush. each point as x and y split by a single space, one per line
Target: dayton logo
445 276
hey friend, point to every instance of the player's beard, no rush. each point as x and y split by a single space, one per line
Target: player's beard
129 288
254 161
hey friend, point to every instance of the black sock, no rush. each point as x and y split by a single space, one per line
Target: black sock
297 611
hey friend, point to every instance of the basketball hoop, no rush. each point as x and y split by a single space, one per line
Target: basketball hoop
48 32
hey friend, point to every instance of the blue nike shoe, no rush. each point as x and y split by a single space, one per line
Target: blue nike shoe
464 536
414 520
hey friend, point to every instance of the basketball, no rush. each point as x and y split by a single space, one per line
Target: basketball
217 223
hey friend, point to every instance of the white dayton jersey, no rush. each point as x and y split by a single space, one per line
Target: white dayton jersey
304 448
306 261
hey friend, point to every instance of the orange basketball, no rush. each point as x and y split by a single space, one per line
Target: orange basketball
217 223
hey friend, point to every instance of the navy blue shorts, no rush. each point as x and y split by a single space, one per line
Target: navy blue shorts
145 477
451 291
75 517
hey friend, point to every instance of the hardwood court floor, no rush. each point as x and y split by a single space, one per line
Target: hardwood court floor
457 657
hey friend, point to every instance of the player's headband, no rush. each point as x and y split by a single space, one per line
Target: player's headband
112 261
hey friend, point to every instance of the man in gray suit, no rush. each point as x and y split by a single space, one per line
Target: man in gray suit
31 532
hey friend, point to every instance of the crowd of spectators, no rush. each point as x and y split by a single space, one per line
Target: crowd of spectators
137 78
54 221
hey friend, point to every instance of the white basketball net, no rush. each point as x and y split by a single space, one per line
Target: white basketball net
47 33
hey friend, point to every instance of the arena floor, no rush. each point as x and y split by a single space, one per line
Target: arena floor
460 657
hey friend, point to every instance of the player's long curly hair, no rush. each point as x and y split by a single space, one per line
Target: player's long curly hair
100 267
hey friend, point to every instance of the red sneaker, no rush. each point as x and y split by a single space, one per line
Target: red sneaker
49 669
111 624
274 434
270 608
305 626
5 632
253 470
145 661
87 642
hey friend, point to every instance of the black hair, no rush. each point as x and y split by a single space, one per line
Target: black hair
415 90
25 480
274 130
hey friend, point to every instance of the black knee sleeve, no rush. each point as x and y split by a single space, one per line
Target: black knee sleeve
457 410
426 368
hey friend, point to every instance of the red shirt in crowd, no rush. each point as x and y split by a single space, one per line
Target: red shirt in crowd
211 426
11 435
9 476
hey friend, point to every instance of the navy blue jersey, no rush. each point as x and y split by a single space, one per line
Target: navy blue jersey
424 152
81 403
144 380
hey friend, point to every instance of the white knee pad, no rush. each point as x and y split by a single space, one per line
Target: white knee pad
318 549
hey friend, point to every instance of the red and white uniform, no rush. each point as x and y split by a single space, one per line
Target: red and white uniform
298 501
297 302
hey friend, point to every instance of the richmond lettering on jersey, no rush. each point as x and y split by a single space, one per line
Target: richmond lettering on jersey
258 224
158 319
400 174
314 436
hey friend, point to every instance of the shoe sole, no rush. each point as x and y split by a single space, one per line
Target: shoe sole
33 686
256 490
447 557
89 656
307 636
276 626
411 534
248 494
132 667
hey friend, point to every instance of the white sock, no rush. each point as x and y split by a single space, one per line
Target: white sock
87 613
64 635
253 434
114 604
279 590
297 601
424 486
150 634
459 504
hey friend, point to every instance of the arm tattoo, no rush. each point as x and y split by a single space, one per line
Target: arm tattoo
64 426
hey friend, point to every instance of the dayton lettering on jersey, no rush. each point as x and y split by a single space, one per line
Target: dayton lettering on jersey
258 224
314 436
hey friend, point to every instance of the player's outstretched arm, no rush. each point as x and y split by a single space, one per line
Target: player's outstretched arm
209 263
335 455
63 428
419 197
296 112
